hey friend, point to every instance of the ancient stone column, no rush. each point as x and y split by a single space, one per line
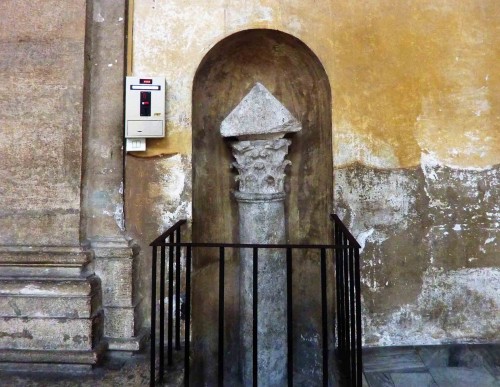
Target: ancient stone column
259 122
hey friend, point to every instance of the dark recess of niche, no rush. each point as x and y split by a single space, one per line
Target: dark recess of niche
293 73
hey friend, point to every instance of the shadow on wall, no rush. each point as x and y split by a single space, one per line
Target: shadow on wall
295 76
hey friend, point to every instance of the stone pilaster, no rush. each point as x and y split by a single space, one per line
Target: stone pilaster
114 261
103 221
50 309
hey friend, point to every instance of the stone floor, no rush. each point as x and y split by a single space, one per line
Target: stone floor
118 371
454 366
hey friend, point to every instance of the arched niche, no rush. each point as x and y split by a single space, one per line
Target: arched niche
295 76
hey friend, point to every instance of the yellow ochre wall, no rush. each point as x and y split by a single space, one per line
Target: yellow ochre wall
407 76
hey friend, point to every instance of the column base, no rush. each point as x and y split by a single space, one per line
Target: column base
131 344
114 265
50 307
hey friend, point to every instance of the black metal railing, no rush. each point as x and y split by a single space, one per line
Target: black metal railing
347 289
348 292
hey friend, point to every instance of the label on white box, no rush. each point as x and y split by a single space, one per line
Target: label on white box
136 144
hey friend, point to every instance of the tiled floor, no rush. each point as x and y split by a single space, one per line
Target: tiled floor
446 366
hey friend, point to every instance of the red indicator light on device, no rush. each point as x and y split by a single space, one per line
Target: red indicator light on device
145 81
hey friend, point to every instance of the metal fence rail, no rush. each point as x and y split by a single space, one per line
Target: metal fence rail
348 292
347 289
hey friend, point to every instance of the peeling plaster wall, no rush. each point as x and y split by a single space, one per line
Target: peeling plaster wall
416 139
430 251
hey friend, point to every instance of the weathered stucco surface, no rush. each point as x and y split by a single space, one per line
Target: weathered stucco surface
430 251
416 145
50 305
41 61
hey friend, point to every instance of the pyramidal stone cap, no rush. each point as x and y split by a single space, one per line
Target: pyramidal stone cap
259 115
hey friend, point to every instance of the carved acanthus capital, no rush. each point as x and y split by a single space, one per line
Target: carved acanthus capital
261 165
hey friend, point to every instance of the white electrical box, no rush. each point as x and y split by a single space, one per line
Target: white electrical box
144 110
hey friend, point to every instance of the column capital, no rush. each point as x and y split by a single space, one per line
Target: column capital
261 165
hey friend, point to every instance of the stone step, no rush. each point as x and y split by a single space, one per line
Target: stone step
45 368
50 361
49 313
50 306
41 359
49 298
57 334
